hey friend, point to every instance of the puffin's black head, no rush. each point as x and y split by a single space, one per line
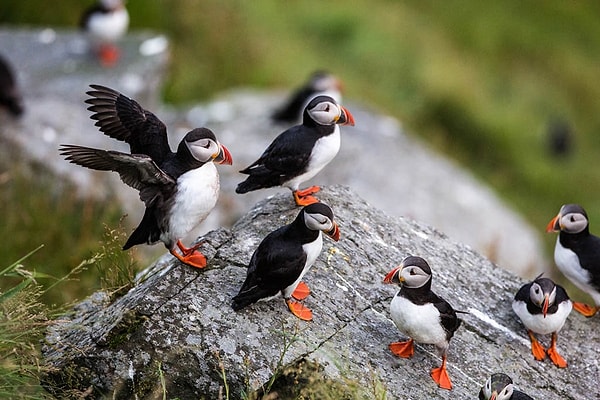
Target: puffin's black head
542 293
202 145
323 81
571 218
413 272
497 387
319 216
323 110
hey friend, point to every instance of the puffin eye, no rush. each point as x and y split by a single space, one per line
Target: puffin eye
572 218
412 271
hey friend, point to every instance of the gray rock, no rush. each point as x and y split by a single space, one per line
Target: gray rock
176 324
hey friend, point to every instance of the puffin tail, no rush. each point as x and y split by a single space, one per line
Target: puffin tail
246 297
259 177
146 232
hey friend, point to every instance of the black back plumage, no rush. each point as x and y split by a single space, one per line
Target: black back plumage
10 95
278 260
96 8
287 156
546 285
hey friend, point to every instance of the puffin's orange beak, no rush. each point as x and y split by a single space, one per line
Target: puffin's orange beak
554 224
346 118
545 305
334 233
389 278
224 156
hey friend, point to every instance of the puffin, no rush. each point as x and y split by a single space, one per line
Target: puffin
284 256
319 82
499 386
543 307
105 22
300 152
10 95
577 254
179 189
422 315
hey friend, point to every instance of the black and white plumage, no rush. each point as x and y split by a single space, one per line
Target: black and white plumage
577 253
499 386
10 94
179 188
105 22
300 152
283 258
319 83
543 307
422 315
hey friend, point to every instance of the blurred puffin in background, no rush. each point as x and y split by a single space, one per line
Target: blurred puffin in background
10 95
105 23
320 82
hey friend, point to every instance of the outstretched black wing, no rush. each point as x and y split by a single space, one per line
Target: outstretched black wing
124 119
136 170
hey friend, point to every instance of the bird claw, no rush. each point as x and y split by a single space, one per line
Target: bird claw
190 257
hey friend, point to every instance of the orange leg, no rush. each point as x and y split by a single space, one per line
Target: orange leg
190 256
403 349
109 55
585 309
304 198
301 292
539 353
440 375
299 310
553 353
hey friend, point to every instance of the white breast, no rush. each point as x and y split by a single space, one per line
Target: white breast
420 322
539 324
312 250
108 27
324 150
568 263
197 194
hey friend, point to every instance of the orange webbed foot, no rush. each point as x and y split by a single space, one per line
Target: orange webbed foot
190 256
553 354
304 198
538 351
108 54
585 309
441 377
402 349
299 310
301 292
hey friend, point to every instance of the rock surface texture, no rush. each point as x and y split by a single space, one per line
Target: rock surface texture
177 325
377 159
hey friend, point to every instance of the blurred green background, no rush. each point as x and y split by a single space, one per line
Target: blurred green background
482 82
